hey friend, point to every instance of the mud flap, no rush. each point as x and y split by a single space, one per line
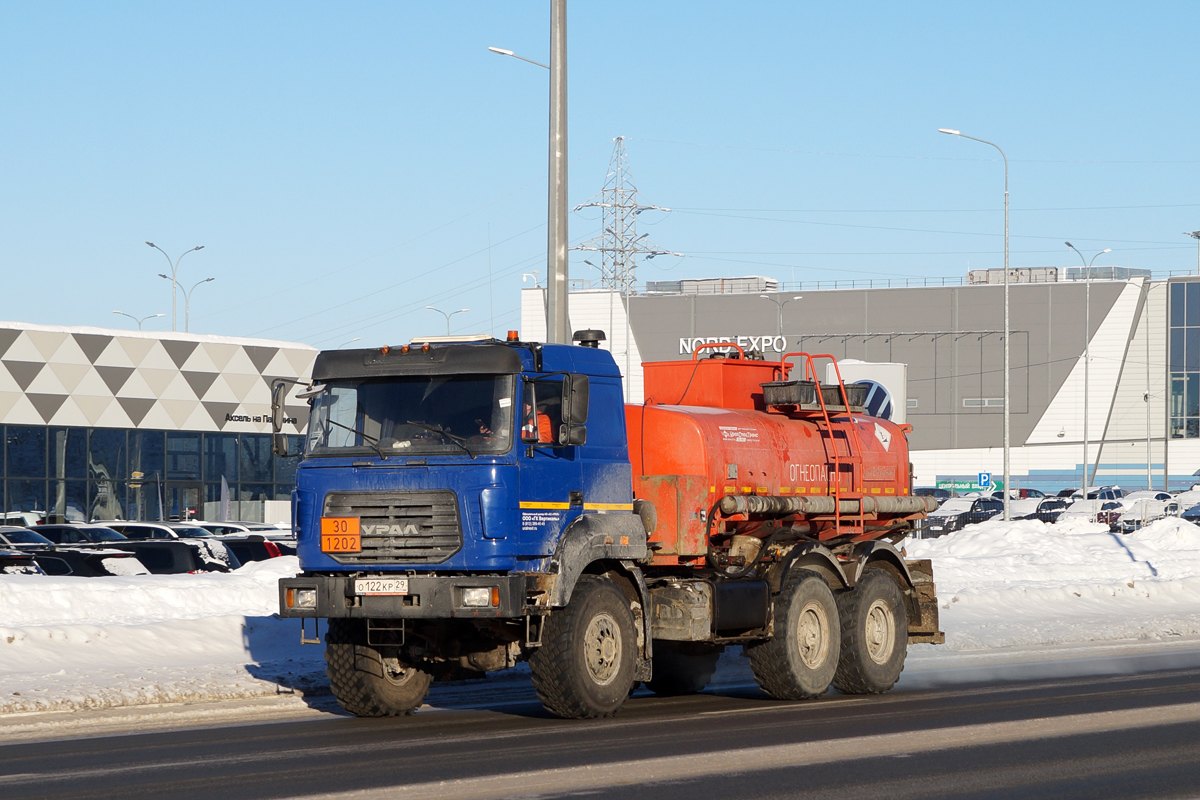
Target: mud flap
924 631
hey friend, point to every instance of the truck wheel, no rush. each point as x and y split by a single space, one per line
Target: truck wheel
365 681
799 661
584 668
679 670
874 635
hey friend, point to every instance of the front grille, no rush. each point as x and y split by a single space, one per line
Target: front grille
400 527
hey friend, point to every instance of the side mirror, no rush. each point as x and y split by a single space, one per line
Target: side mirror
575 399
574 411
278 394
572 435
279 446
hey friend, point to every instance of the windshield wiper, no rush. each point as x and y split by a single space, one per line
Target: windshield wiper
438 429
368 438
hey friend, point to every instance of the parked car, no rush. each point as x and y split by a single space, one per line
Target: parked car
173 556
1139 509
958 512
224 528
89 562
1187 499
1099 493
22 518
941 495
254 547
267 529
1046 509
14 538
75 533
158 530
18 562
1090 510
1019 494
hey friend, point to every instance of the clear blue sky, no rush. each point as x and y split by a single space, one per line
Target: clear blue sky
344 164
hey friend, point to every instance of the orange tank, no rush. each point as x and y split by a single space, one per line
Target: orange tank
816 468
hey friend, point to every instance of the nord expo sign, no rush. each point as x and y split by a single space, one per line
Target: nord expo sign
776 344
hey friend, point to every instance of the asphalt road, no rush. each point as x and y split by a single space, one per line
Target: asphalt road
1119 736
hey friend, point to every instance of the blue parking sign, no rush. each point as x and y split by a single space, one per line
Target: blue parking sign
985 480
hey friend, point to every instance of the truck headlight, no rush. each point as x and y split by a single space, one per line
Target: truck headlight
480 596
302 598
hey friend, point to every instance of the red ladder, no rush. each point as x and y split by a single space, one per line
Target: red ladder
845 425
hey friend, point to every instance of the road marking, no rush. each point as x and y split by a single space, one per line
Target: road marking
657 770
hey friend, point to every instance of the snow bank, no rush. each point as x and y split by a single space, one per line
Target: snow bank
1027 582
135 600
70 643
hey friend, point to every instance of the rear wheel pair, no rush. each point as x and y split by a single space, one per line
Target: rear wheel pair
856 641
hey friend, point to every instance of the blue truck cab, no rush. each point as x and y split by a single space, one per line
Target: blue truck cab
450 495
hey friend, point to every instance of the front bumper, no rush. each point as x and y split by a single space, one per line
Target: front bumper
429 597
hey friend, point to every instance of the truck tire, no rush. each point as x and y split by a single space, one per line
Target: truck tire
799 661
680 670
585 666
365 681
874 635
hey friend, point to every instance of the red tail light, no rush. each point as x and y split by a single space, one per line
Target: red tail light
273 550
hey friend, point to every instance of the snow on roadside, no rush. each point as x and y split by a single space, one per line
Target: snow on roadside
68 643
1026 582
134 600
74 643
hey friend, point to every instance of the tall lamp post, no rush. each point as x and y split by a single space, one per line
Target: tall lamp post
448 316
1087 340
187 303
139 320
1195 235
558 328
174 274
1007 429
780 304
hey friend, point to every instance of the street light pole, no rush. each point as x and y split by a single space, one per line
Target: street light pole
1007 428
1087 359
448 316
558 327
780 304
187 303
136 319
1195 235
174 274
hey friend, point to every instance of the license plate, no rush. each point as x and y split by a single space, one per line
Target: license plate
380 586
340 535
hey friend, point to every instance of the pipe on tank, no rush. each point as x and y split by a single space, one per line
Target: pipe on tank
823 504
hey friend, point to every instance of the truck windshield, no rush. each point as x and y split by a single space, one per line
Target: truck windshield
407 415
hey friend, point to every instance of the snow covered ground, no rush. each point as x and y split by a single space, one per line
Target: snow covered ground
1057 592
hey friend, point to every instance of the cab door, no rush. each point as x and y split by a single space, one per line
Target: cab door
551 482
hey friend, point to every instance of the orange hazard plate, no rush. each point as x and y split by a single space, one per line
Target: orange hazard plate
340 535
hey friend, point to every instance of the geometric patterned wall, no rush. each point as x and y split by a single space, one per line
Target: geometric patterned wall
94 377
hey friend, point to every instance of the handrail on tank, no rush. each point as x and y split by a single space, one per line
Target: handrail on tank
783 360
810 370
722 345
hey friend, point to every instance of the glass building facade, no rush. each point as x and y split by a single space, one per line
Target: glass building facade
83 474
1184 359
